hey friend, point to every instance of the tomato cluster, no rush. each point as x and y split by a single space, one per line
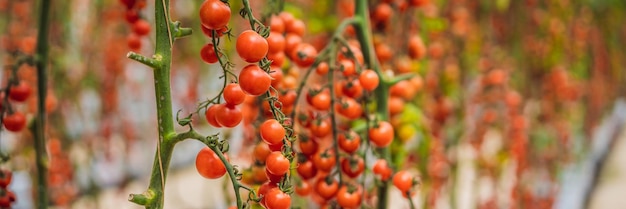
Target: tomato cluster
139 26
7 197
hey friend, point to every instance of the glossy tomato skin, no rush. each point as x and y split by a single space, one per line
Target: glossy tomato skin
209 165
210 114
5 178
20 93
308 147
369 80
228 115
403 180
307 170
304 54
348 199
141 27
272 132
254 81
382 169
277 164
382 135
349 142
352 167
320 128
303 188
326 190
263 189
233 94
14 122
261 151
276 42
251 46
214 14
324 161
271 177
276 199
208 55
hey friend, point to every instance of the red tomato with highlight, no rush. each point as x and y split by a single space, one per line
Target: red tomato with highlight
209 165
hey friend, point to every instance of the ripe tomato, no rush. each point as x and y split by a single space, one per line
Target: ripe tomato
278 59
396 105
14 122
349 108
347 67
261 151
324 161
352 89
276 42
20 93
320 101
369 80
288 97
286 17
383 52
134 42
259 173
296 27
308 146
214 14
210 114
228 115
382 135
5 178
276 199
251 46
304 54
352 166
322 68
276 74
349 197
271 177
403 180
141 27
277 164
417 49
254 81
207 53
272 132
209 164
326 188
209 32
320 128
291 41
349 142
233 94
382 169
306 170
382 13
303 188
276 24
263 189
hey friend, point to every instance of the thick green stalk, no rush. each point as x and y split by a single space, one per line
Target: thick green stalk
161 62
40 121
363 32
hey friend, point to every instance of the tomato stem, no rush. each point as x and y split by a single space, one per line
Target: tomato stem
40 121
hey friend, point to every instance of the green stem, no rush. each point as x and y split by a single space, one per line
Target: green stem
333 119
40 120
191 134
363 32
161 63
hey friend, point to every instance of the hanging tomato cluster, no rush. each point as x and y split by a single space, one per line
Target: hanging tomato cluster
7 197
139 26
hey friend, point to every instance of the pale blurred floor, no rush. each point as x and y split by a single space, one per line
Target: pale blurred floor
611 191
